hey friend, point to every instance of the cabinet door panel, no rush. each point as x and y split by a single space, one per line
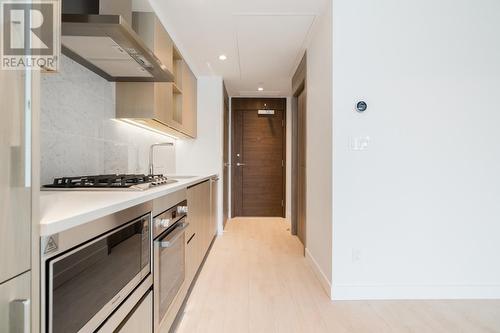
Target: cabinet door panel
154 35
213 208
164 46
199 216
192 250
142 318
12 290
163 100
189 101
15 176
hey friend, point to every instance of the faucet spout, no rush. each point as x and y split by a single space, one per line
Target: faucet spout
151 154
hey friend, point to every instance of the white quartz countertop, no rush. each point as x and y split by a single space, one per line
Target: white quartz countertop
62 210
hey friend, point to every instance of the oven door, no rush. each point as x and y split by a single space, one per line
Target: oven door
86 284
169 268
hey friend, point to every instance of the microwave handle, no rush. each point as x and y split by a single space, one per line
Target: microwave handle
173 236
20 316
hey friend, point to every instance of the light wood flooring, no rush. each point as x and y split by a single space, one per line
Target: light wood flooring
256 280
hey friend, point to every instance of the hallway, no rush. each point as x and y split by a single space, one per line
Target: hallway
255 279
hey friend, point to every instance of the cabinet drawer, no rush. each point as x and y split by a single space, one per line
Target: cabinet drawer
14 290
141 319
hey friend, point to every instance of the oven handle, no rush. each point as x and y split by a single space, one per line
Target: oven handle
173 236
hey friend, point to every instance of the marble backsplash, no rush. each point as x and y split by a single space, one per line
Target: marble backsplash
79 135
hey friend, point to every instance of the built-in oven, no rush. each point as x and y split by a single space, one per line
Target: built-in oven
89 270
169 258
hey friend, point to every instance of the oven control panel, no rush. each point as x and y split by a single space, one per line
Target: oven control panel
168 218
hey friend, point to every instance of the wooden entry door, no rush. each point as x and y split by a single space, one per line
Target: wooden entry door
258 157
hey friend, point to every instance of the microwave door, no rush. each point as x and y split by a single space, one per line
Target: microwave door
88 283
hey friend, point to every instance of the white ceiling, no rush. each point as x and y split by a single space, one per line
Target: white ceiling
263 39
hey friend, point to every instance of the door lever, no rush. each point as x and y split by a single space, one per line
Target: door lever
241 164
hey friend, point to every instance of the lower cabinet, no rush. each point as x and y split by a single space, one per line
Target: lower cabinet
198 198
141 319
14 304
214 183
192 249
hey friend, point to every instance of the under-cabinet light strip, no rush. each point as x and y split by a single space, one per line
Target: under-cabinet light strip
143 126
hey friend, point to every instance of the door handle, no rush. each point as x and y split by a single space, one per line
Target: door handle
173 237
20 316
241 164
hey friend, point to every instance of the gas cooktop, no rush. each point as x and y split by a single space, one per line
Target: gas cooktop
108 182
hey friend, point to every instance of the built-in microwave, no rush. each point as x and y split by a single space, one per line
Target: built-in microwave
89 270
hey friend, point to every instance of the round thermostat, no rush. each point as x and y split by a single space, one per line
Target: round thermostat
361 106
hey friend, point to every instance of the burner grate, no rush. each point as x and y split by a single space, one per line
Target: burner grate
103 181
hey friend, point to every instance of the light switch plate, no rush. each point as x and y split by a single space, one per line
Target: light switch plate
359 143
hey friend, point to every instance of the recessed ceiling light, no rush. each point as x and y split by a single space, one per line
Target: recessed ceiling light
260 89
222 57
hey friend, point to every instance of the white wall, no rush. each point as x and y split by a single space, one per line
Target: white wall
417 214
204 154
319 149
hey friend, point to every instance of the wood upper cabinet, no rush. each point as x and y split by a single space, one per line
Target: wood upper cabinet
182 115
189 101
144 102
167 107
154 35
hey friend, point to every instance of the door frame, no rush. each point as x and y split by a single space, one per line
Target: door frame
245 104
299 85
226 158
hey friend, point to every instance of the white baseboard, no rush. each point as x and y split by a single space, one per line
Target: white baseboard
325 283
410 292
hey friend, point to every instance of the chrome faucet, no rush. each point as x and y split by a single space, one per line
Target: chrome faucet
151 151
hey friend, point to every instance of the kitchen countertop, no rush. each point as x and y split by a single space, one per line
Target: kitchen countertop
62 210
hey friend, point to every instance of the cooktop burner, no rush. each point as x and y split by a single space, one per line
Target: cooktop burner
109 182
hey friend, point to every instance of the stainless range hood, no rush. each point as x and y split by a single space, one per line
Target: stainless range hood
107 44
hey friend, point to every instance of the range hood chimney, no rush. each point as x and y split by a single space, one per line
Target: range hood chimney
98 35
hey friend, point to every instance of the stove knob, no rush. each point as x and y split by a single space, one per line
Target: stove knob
182 209
163 223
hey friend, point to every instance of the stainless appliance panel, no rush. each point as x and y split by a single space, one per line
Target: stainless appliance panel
108 46
162 203
72 237
87 283
168 218
169 268
141 319
114 322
